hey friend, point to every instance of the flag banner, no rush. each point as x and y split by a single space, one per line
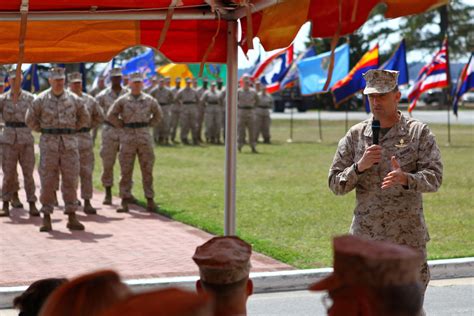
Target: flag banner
211 71
465 82
273 69
313 72
30 80
432 75
354 81
144 63
292 76
398 61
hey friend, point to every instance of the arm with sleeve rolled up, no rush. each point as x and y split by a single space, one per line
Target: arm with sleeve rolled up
32 117
97 115
83 118
429 175
157 114
342 175
114 113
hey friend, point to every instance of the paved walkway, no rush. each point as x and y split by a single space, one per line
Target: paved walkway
137 245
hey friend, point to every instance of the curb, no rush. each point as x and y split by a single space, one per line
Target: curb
265 282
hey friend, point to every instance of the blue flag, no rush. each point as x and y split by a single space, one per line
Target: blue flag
30 81
313 71
398 61
144 63
292 74
465 83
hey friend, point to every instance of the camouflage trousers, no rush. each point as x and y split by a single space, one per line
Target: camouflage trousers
189 121
213 122
130 149
262 124
162 131
56 163
200 113
108 152
24 154
174 120
246 122
86 166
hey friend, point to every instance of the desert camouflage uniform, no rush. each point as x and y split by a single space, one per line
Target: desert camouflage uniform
247 100
200 111
18 146
135 115
189 99
110 136
85 145
394 214
223 100
262 117
212 105
58 118
176 110
165 99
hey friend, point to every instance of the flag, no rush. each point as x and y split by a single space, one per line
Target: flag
398 61
354 82
465 82
105 73
144 63
253 68
273 69
83 71
313 72
432 75
292 74
30 80
211 71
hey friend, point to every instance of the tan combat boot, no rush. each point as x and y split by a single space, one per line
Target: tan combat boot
88 209
46 227
124 208
5 211
254 150
73 223
33 210
151 206
108 196
16 203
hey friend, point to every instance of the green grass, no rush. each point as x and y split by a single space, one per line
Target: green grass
284 206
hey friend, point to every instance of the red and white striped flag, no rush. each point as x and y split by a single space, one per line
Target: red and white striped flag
432 75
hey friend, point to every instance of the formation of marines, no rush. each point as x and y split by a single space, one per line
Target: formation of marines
68 120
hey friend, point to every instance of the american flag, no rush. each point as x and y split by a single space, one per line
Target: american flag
432 75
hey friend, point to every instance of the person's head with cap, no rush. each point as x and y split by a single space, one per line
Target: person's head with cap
258 86
177 82
224 268
383 94
220 83
167 81
213 86
74 80
372 278
205 82
136 82
57 76
165 302
195 82
116 78
101 81
12 77
88 294
188 82
246 81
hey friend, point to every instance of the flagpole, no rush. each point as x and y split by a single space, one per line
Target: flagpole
291 126
448 99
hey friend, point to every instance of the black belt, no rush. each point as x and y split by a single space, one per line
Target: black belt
58 131
108 124
246 107
215 103
189 102
136 125
164 104
84 130
15 124
263 107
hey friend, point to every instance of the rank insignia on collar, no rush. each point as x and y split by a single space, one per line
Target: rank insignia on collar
402 144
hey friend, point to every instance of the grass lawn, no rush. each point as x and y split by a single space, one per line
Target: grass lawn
284 206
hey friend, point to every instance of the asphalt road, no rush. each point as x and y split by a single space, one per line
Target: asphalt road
451 297
465 117
444 297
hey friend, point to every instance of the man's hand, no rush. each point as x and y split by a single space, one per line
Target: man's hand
396 176
372 155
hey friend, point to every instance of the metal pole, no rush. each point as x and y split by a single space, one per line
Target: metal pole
291 126
231 131
448 106
320 126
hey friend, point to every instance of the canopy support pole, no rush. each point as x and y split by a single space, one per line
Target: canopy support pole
231 131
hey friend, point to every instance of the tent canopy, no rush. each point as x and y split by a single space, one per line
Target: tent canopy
97 30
